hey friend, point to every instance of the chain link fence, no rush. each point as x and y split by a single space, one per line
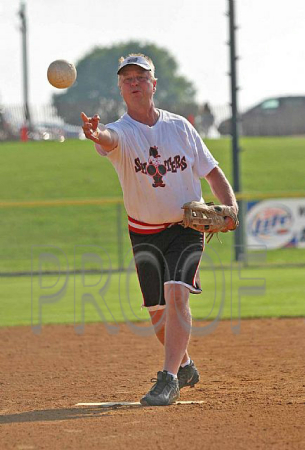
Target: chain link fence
46 124
284 116
71 230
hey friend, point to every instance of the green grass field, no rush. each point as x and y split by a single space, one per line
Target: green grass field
73 170
252 294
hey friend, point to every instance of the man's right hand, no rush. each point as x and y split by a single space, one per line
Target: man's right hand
90 127
108 139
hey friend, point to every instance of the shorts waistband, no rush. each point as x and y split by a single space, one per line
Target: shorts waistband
147 228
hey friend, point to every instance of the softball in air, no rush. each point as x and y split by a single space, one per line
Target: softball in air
61 74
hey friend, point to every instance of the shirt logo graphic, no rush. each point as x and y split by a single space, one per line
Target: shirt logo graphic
156 168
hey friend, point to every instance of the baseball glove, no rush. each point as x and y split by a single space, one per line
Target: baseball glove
209 218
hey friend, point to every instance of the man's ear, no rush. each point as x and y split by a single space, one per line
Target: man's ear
154 86
119 86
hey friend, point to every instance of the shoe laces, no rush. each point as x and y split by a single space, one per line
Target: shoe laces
159 386
183 376
184 372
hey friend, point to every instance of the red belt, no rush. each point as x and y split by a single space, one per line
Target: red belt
146 228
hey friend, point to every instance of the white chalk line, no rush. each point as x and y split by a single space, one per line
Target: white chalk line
109 404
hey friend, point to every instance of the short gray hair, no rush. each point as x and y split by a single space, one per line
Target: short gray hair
148 59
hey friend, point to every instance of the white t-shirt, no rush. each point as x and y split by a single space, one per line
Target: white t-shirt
159 167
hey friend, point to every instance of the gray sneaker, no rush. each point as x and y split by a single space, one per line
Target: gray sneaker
188 375
164 392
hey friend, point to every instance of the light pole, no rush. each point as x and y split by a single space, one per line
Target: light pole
23 18
238 234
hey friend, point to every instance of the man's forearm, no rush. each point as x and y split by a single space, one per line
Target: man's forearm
221 187
106 138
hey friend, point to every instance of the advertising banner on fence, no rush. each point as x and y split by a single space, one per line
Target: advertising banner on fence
276 223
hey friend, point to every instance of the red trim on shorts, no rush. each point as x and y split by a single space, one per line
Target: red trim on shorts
146 228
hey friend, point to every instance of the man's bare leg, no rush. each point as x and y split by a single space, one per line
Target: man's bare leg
178 325
158 319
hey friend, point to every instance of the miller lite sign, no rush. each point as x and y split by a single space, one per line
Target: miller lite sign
276 223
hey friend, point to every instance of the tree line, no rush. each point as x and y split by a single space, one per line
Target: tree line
96 90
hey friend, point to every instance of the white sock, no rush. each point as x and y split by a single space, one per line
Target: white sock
172 374
186 363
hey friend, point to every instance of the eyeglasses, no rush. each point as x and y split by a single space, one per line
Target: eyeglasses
138 79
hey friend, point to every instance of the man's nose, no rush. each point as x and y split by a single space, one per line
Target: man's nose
134 81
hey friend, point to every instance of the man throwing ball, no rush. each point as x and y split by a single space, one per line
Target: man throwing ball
160 159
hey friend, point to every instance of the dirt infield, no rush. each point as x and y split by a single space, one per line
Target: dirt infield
252 385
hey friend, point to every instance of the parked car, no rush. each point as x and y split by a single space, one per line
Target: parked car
276 116
55 132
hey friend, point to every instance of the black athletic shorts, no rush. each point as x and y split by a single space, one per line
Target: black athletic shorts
170 256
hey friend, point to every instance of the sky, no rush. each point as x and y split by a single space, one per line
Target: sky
270 43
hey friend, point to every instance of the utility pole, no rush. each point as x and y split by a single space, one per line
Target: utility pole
238 234
23 18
